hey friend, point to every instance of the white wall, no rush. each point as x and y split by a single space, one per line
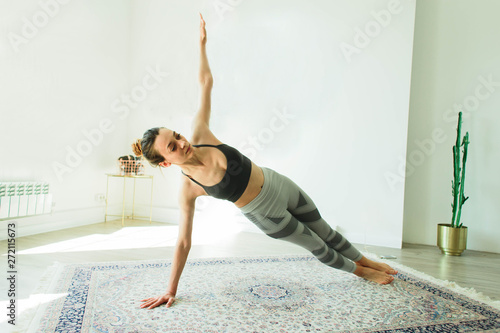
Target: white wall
345 145
347 109
456 50
62 65
317 90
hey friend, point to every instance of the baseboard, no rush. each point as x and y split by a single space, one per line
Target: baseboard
79 217
374 240
33 225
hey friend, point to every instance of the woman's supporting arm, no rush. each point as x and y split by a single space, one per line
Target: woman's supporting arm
187 206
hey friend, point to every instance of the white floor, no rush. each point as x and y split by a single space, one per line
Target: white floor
139 240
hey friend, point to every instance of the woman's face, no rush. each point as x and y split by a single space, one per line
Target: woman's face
173 147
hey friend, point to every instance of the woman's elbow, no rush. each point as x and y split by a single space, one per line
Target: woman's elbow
206 80
184 245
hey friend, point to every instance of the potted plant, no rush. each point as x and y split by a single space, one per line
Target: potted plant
452 238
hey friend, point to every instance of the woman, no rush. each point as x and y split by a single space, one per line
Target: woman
270 200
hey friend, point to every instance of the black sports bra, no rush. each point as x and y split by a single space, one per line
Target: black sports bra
237 176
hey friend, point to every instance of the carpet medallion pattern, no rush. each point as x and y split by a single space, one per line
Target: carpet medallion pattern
262 294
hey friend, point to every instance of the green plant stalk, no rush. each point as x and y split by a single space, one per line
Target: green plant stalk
456 173
454 187
462 198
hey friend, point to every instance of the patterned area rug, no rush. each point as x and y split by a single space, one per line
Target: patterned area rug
261 294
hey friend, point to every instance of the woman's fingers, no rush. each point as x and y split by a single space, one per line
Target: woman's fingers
153 302
146 304
203 32
148 301
170 302
202 21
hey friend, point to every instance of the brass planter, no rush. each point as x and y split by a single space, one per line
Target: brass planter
451 241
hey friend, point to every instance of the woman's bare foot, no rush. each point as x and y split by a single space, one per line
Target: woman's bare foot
378 266
373 275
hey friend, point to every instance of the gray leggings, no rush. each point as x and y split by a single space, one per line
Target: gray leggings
283 210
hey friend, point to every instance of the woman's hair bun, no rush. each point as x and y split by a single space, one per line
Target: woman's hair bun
137 148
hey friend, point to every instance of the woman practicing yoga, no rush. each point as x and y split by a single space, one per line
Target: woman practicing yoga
270 200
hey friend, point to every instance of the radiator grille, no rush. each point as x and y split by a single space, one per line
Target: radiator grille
22 199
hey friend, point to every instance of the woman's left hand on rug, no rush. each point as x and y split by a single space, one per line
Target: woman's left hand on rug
153 302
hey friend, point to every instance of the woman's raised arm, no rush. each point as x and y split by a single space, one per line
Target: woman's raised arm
205 78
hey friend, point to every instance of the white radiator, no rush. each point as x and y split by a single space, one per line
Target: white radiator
22 199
